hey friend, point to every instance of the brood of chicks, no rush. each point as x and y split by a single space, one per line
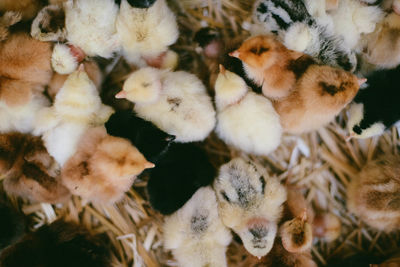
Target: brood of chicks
294 82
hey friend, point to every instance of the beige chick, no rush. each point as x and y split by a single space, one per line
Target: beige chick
250 202
146 33
90 25
176 102
27 8
195 233
374 194
103 167
320 94
245 119
28 169
77 106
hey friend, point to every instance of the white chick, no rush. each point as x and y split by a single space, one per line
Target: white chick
77 106
251 203
196 234
90 25
176 102
21 118
146 33
245 119
353 18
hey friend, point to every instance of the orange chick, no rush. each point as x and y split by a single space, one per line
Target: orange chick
103 167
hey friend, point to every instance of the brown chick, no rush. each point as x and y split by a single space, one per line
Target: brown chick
25 65
269 63
6 20
320 94
28 169
103 168
57 81
296 234
374 194
28 8
327 227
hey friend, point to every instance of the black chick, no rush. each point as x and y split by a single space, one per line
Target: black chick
376 107
60 244
138 3
12 224
149 140
177 176
217 52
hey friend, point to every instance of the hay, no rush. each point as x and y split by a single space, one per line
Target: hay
321 163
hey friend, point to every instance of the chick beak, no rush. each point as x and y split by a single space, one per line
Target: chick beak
149 165
235 54
350 136
120 95
361 81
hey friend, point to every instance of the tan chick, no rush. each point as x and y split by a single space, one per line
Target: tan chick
195 233
251 203
245 119
28 169
176 102
327 227
77 106
296 234
103 168
146 33
27 8
374 194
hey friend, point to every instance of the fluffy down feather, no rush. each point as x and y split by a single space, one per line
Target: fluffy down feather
62 244
176 102
248 121
90 25
62 61
373 194
146 32
49 24
77 106
29 171
103 167
196 234
251 203
8 19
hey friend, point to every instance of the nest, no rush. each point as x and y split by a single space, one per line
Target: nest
321 163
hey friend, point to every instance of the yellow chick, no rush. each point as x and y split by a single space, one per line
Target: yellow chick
103 167
145 33
176 102
373 194
245 119
195 233
250 203
77 106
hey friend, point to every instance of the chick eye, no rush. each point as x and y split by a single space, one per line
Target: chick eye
225 196
259 50
262 181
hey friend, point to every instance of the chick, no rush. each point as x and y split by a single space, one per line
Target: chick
103 167
90 25
27 8
235 105
49 24
176 102
296 234
58 244
28 169
77 106
373 194
12 224
66 58
195 233
8 19
320 94
145 30
327 227
145 136
178 174
383 45
25 64
375 107
353 18
251 203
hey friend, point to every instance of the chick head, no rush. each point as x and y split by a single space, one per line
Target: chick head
358 127
297 234
251 203
229 88
143 86
259 52
118 157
